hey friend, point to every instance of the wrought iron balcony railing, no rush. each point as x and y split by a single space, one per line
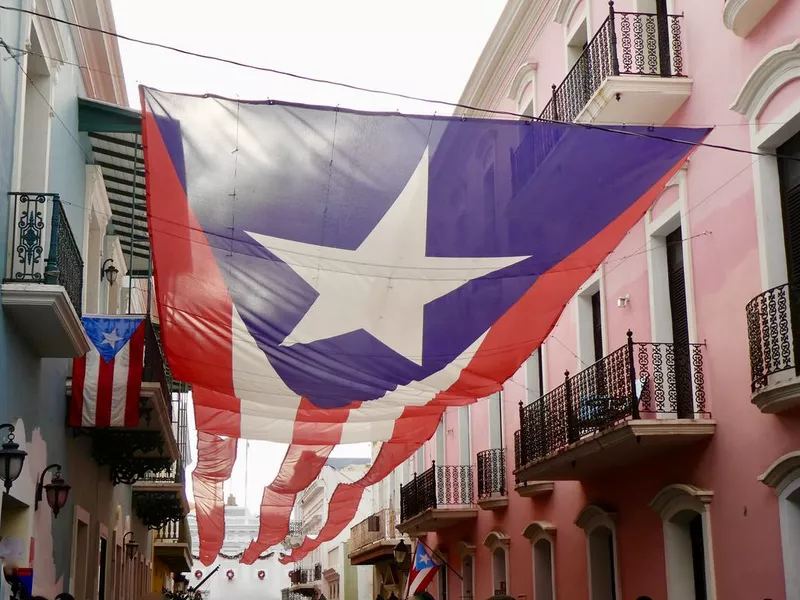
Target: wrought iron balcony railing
41 253
380 526
287 594
447 485
296 527
317 572
771 331
638 380
627 43
300 576
491 473
175 473
155 365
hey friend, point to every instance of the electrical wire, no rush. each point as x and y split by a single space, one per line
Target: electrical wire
457 105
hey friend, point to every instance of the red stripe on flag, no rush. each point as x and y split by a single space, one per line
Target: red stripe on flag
135 371
176 234
76 403
105 391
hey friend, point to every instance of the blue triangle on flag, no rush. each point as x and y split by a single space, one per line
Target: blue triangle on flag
109 334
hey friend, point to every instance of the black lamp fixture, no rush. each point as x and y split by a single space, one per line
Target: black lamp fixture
110 271
56 492
11 458
131 546
400 552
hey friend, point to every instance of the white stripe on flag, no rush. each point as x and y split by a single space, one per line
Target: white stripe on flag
119 393
89 412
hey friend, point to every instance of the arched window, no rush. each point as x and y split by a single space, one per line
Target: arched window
542 536
523 89
784 477
497 542
467 552
687 540
601 542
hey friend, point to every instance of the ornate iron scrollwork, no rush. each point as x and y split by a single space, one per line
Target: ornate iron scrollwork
156 509
118 450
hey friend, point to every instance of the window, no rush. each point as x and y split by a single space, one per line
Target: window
35 152
102 557
679 313
80 553
464 437
440 443
534 376
543 569
443 573
468 578
591 317
496 420
498 543
789 178
420 466
598 525
684 512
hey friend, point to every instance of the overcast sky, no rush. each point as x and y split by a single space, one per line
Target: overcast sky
421 48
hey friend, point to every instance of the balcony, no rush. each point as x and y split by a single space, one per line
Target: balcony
439 498
772 331
492 488
642 400
43 277
373 540
742 16
149 451
527 489
304 581
630 72
172 544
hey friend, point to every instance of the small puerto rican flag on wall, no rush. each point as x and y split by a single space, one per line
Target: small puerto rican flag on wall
423 569
107 381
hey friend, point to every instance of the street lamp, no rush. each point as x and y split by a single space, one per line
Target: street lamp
110 271
130 547
56 492
400 552
11 458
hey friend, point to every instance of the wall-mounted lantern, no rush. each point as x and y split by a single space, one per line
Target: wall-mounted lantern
131 546
56 492
400 552
11 458
110 271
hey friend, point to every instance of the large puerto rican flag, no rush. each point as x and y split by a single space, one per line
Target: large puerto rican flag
107 381
328 276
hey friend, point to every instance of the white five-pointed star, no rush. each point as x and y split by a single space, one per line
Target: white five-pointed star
383 286
110 338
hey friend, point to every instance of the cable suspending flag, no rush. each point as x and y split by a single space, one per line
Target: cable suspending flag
328 276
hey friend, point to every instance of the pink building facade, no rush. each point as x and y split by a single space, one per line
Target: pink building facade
667 463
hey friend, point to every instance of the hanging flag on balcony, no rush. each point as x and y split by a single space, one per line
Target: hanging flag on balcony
107 381
423 570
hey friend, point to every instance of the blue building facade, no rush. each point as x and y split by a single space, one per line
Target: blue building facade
69 201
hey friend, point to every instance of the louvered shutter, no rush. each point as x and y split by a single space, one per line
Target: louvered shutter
680 324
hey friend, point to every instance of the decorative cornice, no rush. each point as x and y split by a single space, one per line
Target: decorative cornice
773 71
535 528
496 539
466 549
666 499
564 9
520 79
737 10
519 26
592 512
782 472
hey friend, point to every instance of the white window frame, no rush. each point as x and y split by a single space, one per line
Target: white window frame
522 90
583 318
538 531
778 68
529 385
783 476
668 503
589 519
494 541
656 229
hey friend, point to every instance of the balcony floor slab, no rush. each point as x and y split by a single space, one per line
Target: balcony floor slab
436 519
778 397
636 100
626 444
531 489
374 553
45 317
493 502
